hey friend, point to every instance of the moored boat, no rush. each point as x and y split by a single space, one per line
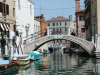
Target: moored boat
6 67
21 59
23 67
34 55
51 48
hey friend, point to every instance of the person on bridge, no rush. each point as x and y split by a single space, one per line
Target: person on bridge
73 33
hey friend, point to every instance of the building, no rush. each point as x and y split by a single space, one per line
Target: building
24 13
95 17
7 17
80 23
88 21
59 25
36 27
41 18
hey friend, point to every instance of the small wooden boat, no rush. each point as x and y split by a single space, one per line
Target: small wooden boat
21 59
6 67
35 55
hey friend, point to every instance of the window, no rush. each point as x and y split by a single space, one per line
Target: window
60 23
74 25
60 30
57 30
19 4
7 9
14 27
53 24
65 23
1 7
81 18
31 9
48 24
65 29
83 30
13 12
57 24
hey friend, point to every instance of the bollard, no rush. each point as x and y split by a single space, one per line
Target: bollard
12 51
6 52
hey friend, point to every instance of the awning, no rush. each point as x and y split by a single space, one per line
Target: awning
2 26
5 27
8 27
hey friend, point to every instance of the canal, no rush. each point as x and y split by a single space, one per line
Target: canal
57 63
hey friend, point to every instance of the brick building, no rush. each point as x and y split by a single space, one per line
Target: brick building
41 18
80 23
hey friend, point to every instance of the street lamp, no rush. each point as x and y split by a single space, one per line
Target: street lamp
94 20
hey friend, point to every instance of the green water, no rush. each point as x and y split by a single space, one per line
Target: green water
62 64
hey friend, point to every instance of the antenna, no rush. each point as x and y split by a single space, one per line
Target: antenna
62 12
40 7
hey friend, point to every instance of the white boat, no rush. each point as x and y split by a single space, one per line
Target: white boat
21 59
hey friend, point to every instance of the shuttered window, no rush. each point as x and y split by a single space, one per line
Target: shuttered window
1 8
7 9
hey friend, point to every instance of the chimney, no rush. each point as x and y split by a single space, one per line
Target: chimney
77 2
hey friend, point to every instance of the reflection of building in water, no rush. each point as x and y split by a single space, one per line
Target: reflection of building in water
96 68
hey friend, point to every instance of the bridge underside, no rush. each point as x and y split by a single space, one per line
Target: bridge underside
88 47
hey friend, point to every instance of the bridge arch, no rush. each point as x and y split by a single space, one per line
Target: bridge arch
88 46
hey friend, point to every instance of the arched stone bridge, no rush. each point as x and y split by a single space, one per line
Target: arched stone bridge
88 46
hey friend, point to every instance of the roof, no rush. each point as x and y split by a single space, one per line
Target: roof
80 11
59 18
31 1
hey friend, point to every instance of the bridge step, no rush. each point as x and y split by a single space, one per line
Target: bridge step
97 54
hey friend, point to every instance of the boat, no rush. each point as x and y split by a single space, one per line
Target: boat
21 59
51 48
35 55
23 67
6 67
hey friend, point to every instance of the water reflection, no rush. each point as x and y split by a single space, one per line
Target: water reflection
62 64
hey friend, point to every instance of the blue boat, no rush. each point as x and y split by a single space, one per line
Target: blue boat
51 49
34 55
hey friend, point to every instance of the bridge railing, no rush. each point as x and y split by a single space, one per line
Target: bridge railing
33 37
37 35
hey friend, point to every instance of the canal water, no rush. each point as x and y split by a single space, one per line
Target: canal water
57 63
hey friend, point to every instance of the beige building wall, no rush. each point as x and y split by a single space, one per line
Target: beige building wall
98 16
9 18
93 12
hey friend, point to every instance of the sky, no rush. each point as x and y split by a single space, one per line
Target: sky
54 8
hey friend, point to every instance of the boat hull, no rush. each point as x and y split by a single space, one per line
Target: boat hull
8 68
22 59
34 55
23 67
23 62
